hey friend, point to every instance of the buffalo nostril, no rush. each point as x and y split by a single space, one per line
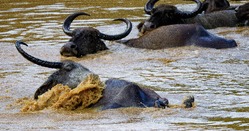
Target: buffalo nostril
62 50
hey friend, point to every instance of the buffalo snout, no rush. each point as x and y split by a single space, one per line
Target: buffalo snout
69 49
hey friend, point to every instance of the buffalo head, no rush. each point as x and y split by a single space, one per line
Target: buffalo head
214 5
87 40
165 15
69 73
242 13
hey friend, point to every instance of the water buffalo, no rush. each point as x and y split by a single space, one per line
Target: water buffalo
168 14
165 15
179 35
214 5
87 40
117 93
209 6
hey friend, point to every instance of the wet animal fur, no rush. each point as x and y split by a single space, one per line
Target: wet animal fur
179 35
164 15
87 40
84 41
121 93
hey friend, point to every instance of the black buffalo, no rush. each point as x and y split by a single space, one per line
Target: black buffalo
165 15
179 35
169 14
215 5
87 40
117 93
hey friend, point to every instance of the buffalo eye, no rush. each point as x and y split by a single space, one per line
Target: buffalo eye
157 14
152 26
153 11
73 46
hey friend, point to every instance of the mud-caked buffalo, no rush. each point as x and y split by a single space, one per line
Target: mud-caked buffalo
168 14
87 40
117 93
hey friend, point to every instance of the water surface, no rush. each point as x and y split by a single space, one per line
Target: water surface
217 78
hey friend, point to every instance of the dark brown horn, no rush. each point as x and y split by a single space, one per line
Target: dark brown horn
69 20
193 13
149 6
36 60
118 36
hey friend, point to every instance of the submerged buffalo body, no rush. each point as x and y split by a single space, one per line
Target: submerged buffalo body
168 15
179 35
87 40
117 94
121 93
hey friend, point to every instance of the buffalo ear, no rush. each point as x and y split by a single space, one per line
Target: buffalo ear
68 66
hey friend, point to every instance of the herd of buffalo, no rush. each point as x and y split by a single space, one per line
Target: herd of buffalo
166 27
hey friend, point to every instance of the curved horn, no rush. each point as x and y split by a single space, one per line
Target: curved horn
36 60
193 13
149 6
69 20
118 36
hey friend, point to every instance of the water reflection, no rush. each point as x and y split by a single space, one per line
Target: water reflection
38 20
217 78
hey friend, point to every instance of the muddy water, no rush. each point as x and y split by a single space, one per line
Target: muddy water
217 78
